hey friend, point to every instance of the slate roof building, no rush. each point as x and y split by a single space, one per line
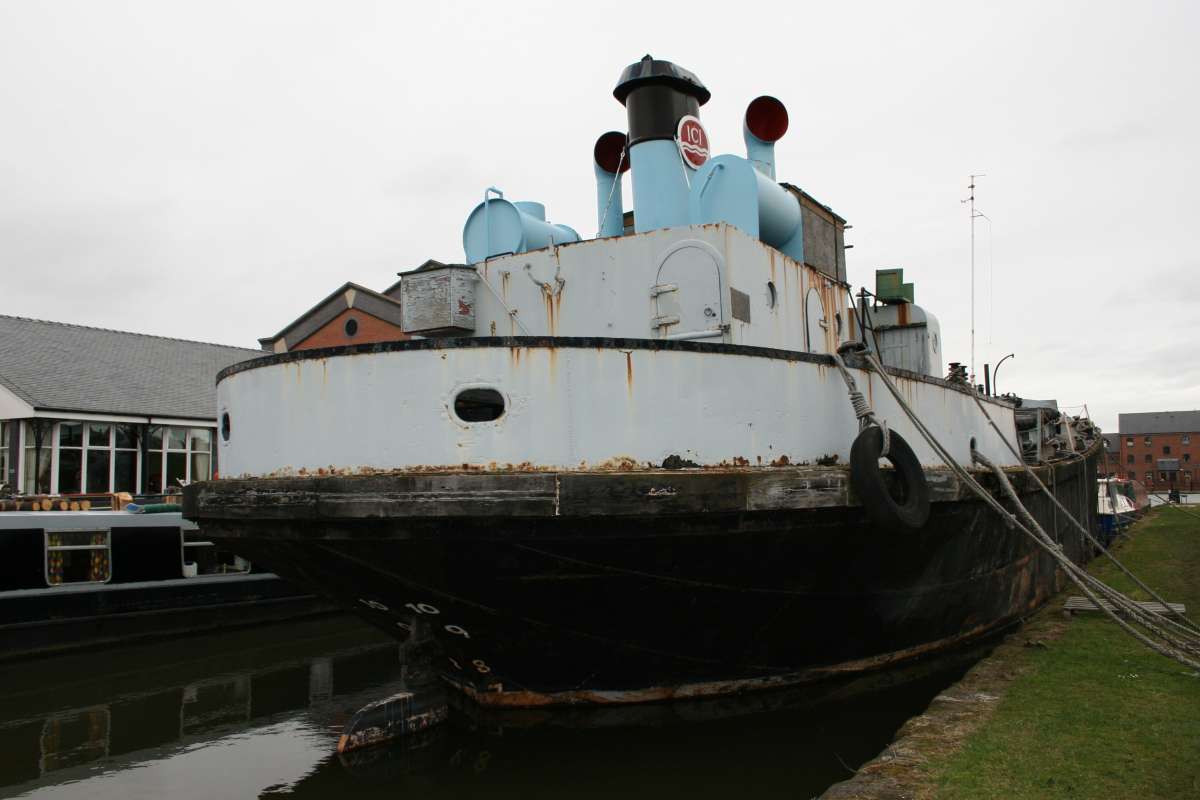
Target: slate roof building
1161 448
90 410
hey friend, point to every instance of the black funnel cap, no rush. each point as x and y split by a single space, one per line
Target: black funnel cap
649 72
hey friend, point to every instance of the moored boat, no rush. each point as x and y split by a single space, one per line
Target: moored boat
633 468
85 579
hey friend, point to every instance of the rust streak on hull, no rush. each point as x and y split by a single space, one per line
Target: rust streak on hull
693 691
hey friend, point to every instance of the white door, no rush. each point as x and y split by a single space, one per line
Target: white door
687 292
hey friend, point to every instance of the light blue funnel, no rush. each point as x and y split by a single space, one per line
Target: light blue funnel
497 227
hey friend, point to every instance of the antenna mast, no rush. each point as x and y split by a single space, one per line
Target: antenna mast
974 214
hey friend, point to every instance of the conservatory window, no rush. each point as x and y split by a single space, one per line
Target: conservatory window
36 477
5 427
70 457
177 455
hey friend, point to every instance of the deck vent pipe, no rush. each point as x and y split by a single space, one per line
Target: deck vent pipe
611 161
765 123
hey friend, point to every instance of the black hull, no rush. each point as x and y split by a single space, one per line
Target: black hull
539 610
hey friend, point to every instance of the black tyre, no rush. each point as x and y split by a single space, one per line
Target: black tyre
911 510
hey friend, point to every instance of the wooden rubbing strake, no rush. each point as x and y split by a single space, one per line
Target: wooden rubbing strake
1077 603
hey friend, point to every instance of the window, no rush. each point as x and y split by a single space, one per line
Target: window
177 456
1162 476
112 458
200 446
4 434
70 457
1129 442
38 447
1146 441
126 439
1149 477
77 557
1129 458
1187 439
99 457
1187 457
1149 458
351 326
479 405
1187 474
1166 449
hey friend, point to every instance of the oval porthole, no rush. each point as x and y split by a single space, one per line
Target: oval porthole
772 295
478 405
225 427
351 326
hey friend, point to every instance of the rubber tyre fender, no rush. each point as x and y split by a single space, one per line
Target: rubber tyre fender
867 480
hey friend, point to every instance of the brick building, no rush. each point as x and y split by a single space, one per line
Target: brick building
1161 449
352 314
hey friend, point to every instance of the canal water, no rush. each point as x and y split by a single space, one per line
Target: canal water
258 713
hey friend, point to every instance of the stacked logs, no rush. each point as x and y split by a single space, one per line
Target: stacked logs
116 502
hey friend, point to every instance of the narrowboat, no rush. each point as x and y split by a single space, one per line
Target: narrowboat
75 580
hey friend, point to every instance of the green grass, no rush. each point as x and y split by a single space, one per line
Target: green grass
1095 714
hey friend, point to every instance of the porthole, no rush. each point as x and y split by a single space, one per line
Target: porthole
351 326
479 405
225 426
772 295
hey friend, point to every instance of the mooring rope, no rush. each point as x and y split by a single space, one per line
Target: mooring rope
1175 649
1082 528
1146 617
862 409
1081 578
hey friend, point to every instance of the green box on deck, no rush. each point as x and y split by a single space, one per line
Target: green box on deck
891 288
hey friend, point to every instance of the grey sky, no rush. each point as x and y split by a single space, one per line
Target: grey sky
209 170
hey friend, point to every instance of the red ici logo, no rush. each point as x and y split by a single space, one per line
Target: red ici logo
693 142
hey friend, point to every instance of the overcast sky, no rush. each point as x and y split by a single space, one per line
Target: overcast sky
209 170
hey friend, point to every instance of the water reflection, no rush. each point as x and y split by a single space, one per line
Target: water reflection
257 713
74 717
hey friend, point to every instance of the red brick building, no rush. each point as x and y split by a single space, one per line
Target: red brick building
1161 449
352 314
